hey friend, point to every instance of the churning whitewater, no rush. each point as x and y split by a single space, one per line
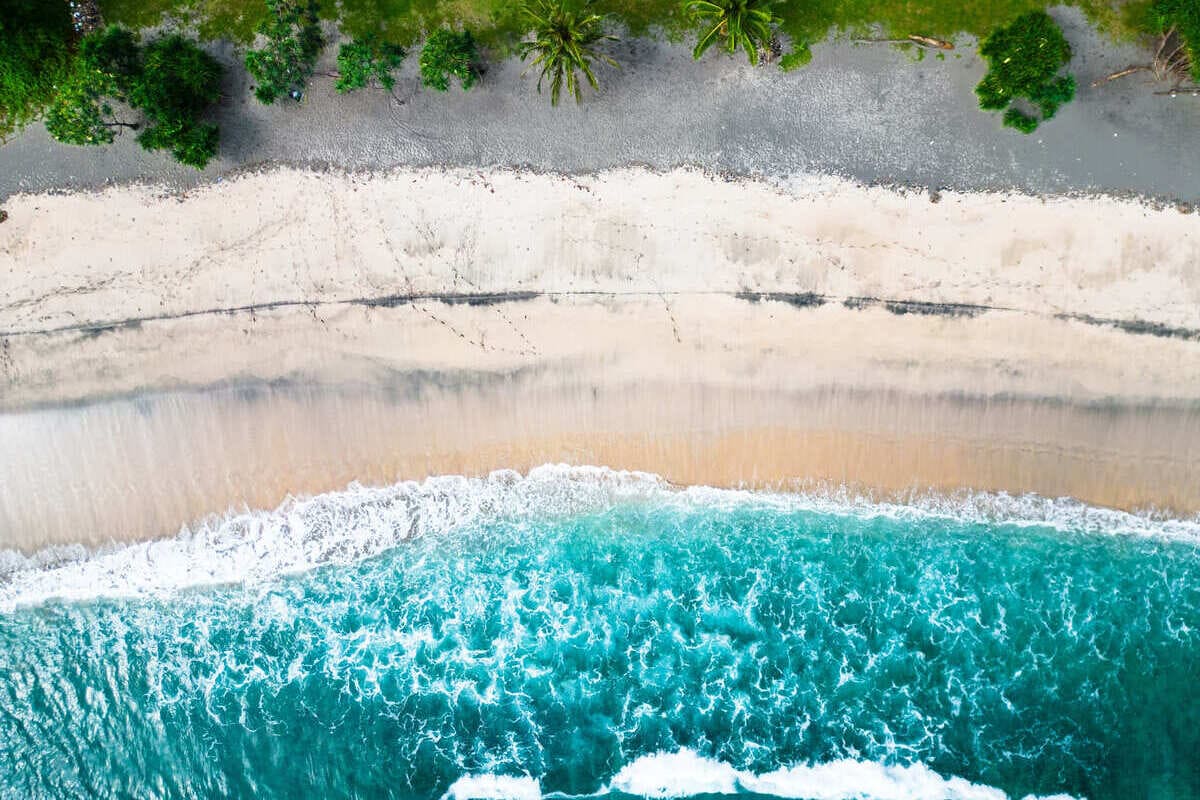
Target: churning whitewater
582 632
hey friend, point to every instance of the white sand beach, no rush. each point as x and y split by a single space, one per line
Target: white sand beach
287 332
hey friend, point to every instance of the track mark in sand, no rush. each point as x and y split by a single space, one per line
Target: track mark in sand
671 317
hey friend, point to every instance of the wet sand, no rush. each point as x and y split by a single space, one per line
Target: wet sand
811 336
137 469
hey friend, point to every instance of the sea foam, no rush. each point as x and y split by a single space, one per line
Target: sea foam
493 787
685 773
360 522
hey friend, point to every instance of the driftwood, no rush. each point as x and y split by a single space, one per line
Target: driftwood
1120 74
1167 63
927 42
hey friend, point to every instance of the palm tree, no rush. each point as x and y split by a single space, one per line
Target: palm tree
740 23
562 41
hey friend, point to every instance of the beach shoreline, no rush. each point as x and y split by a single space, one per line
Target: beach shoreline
373 328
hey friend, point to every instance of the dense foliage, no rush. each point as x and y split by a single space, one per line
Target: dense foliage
35 58
447 54
104 72
178 83
1024 59
563 45
747 25
285 62
365 59
170 81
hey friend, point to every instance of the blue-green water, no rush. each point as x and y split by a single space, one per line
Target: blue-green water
743 640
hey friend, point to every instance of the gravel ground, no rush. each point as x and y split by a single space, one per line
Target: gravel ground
866 112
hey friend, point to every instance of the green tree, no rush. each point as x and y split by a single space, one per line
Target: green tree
293 41
745 24
1024 59
178 83
563 45
36 41
447 54
105 70
171 82
361 60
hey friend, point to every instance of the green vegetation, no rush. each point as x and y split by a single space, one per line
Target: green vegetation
178 83
447 55
86 87
1024 60
563 45
170 81
108 64
738 24
498 24
368 58
284 63
35 59
799 57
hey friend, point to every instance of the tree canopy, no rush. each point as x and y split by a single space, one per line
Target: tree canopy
36 53
293 41
1024 59
563 44
365 59
178 83
104 72
447 54
170 81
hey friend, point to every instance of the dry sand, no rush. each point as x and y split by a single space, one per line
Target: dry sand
165 357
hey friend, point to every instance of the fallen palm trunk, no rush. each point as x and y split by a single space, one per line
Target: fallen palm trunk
920 41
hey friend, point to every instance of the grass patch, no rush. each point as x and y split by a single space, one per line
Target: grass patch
498 24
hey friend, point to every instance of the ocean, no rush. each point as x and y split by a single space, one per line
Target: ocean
579 632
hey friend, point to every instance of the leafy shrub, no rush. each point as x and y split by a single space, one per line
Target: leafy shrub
363 59
294 40
35 58
446 54
1024 59
1016 118
799 57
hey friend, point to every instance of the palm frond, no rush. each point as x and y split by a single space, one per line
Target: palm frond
563 45
740 24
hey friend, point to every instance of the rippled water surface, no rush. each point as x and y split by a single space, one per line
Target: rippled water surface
643 642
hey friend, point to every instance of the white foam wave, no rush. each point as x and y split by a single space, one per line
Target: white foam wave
675 775
494 787
344 527
685 774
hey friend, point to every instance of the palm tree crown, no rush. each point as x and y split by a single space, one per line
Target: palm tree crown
740 23
562 43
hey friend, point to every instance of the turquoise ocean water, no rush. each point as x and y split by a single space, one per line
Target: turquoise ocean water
581 632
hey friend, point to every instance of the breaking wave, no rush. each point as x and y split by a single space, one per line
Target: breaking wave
582 632
360 522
